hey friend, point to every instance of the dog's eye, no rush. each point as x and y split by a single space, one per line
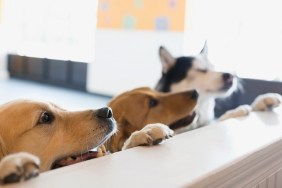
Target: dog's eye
45 118
153 103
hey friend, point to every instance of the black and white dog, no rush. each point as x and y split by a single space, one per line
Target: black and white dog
196 72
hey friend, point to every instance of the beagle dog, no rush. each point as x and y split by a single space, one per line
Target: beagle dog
147 117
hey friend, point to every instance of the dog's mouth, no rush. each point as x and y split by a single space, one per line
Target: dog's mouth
224 88
66 161
183 122
227 86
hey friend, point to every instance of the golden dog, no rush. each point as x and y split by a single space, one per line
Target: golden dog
146 117
50 135
33 132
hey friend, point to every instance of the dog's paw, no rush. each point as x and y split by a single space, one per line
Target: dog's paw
266 102
240 111
18 167
151 134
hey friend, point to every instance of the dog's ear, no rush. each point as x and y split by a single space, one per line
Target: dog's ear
204 51
167 59
141 89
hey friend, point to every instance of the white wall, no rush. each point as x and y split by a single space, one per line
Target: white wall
126 59
3 53
243 36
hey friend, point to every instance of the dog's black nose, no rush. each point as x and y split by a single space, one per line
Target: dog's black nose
194 94
227 77
105 112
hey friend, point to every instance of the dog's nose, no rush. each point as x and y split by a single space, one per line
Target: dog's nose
194 94
227 77
105 112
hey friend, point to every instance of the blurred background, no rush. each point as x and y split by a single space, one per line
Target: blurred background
91 50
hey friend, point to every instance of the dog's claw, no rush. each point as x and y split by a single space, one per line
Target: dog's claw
155 142
168 136
11 178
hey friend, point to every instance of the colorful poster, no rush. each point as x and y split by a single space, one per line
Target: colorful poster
162 15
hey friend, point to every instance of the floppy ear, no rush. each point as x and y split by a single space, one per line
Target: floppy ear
3 151
120 109
167 59
204 51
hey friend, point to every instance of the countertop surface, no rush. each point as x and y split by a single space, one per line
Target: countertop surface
181 161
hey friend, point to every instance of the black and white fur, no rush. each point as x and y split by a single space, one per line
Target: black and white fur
196 72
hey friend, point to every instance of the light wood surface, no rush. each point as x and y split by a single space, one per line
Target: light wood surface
239 152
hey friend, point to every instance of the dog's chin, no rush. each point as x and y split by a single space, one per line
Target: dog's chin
183 122
83 155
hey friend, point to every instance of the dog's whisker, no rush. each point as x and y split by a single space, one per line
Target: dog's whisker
87 149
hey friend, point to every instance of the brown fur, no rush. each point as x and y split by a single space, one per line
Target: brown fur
75 132
70 133
132 112
3 151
